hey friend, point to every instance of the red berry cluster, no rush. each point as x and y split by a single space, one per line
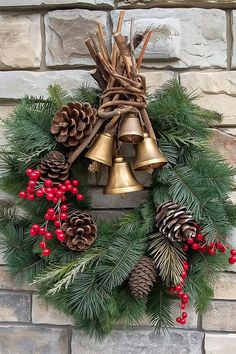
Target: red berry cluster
178 290
55 215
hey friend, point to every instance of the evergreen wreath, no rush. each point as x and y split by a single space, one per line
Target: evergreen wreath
104 272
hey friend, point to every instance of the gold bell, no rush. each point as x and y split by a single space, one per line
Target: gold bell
102 148
130 130
121 178
148 155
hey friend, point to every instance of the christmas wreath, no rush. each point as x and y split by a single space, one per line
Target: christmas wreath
171 246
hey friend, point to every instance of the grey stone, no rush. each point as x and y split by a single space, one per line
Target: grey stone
5 111
111 201
156 79
233 62
220 316
66 32
33 340
181 38
215 91
14 307
6 282
225 288
225 145
140 342
220 343
108 4
20 41
44 313
173 3
17 84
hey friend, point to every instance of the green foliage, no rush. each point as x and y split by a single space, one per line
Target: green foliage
88 94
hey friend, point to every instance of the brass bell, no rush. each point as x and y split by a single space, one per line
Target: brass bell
148 155
130 130
121 178
101 149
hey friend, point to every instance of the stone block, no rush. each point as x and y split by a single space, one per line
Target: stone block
6 282
220 316
129 200
17 84
175 3
5 111
181 38
225 288
233 62
33 340
14 307
93 4
20 41
66 32
220 343
215 91
140 342
225 145
156 79
44 313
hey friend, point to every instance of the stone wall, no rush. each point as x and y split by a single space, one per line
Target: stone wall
42 42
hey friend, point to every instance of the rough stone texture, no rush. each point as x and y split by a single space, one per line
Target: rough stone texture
225 287
140 342
108 4
220 316
156 79
173 3
215 90
232 268
5 111
220 343
233 63
43 313
33 340
181 38
7 283
225 145
66 32
192 321
37 82
14 307
20 41
130 200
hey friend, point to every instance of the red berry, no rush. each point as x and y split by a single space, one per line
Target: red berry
61 237
184 298
233 252
203 248
195 246
211 251
32 232
55 200
190 241
46 252
184 315
178 288
186 267
172 290
63 189
28 171
59 194
199 237
35 227
219 245
182 281
57 223
63 216
222 250
75 182
39 192
80 197
48 235
232 260
42 244
34 176
42 230
37 173
50 196
55 189
67 181
211 244
58 231
30 197
48 183
74 190
182 306
180 293
64 207
185 248
50 211
183 321
63 198
32 184
47 217
178 319
184 274
30 190
69 187
49 190
22 194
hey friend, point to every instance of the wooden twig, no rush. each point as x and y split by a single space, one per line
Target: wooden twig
147 123
141 56
102 42
124 51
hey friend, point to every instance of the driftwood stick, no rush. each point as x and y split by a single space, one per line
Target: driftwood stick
103 46
124 51
124 103
147 123
140 59
96 74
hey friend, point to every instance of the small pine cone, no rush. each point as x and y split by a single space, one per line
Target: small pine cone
73 123
80 230
175 222
142 278
55 167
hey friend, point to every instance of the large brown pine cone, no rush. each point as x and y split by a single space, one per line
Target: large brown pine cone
142 278
80 230
55 167
73 123
175 222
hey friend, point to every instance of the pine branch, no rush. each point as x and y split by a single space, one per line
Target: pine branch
58 95
168 257
88 94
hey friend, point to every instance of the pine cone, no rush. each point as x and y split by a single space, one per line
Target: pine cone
55 167
175 222
73 123
81 231
142 277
